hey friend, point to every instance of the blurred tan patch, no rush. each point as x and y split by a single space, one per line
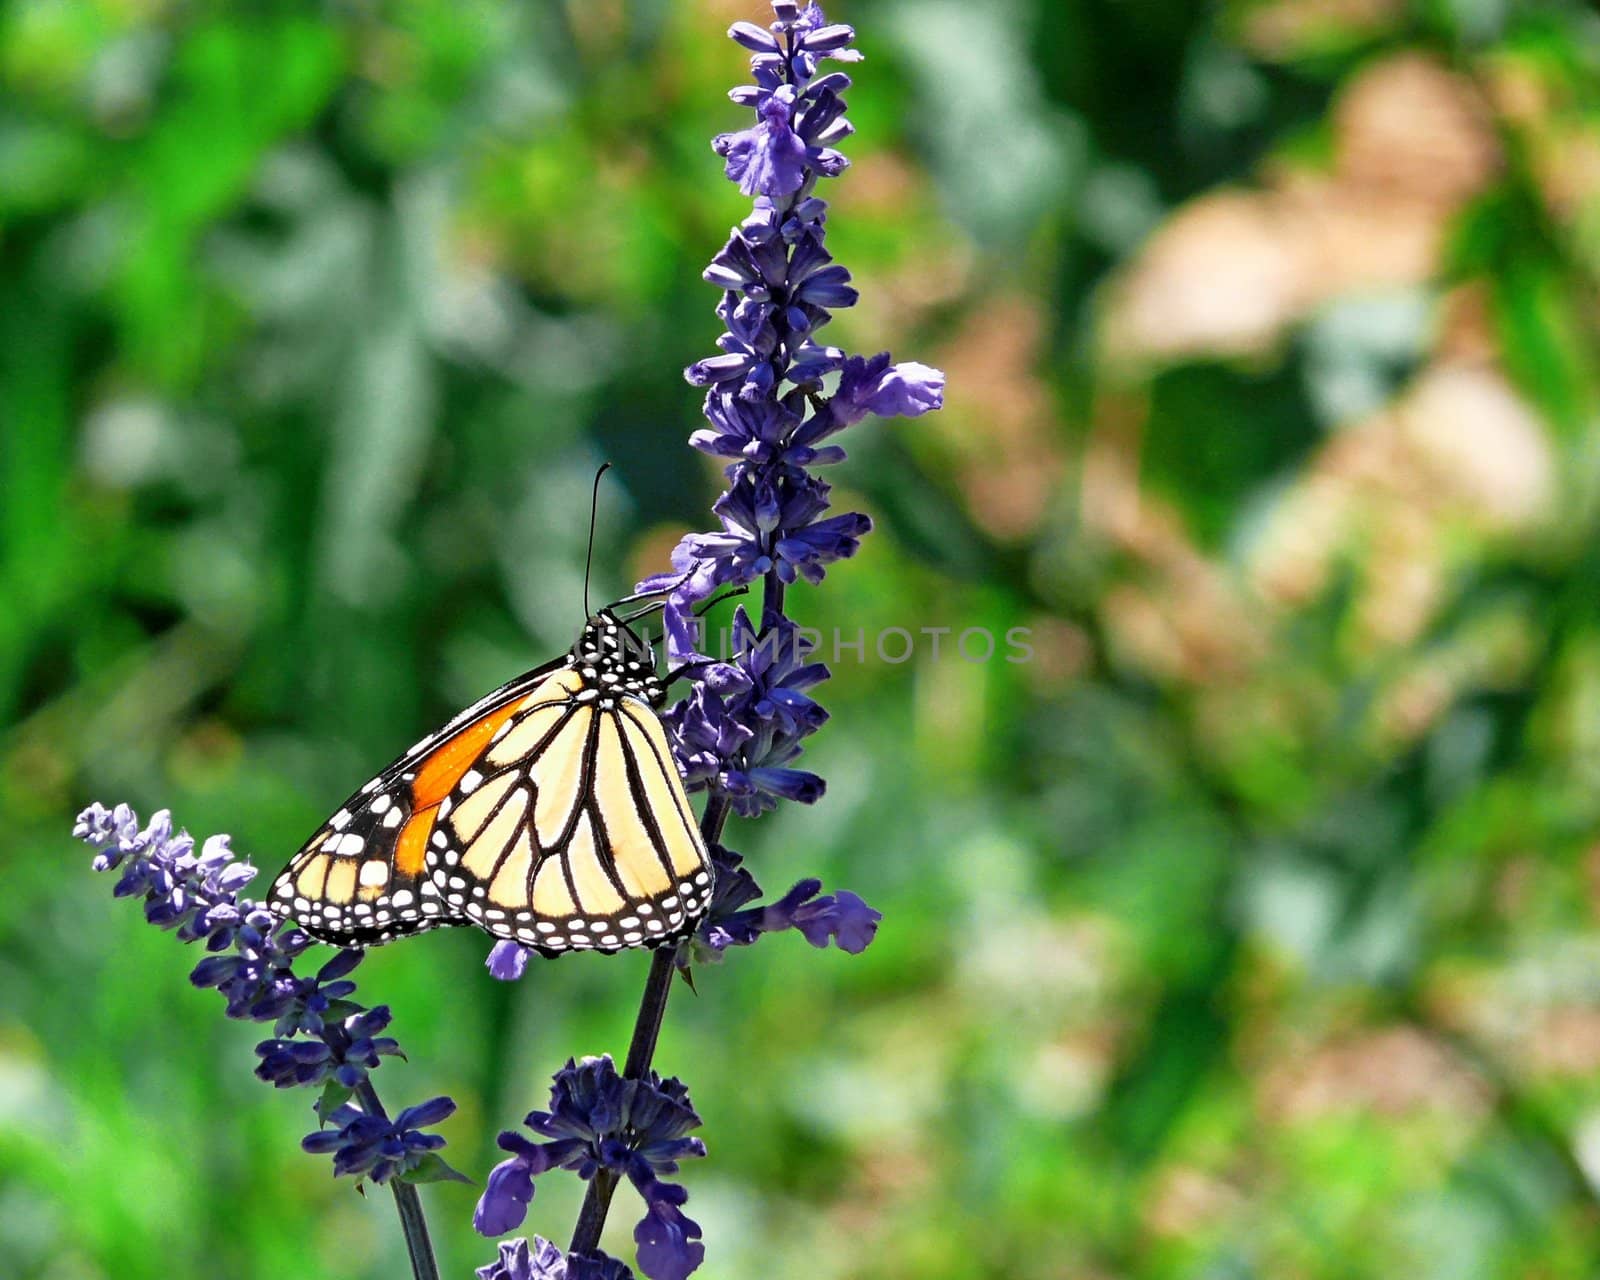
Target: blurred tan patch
1185 630
886 1175
1069 1077
1290 28
1231 271
1514 884
1566 166
1460 450
914 272
1223 274
1409 126
1591 877
1395 1071
999 420
1414 704
1480 445
388 56
1563 1042
1466 326
36 777
1043 974
1187 1202
1534 1013
1060 653
727 12
884 186
206 754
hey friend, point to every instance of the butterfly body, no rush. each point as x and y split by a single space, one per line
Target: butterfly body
549 812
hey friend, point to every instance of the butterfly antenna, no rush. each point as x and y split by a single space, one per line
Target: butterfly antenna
644 612
660 604
588 556
716 600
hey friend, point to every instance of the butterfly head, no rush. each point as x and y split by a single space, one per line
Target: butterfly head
614 659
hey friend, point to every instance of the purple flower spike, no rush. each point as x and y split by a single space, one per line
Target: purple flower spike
321 1036
888 390
738 735
508 1191
285 1063
767 413
756 39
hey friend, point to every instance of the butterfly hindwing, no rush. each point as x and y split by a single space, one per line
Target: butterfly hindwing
582 839
348 883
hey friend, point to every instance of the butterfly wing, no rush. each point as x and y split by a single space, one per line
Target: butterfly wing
573 831
550 812
360 879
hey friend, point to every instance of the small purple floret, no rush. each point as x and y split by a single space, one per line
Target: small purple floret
373 1146
508 960
841 918
768 159
520 1260
540 1260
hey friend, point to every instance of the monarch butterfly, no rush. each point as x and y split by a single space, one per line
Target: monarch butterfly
549 812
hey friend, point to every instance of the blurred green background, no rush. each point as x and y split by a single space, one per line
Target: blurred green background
1246 931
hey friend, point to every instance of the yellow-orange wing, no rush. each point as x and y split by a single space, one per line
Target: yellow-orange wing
549 812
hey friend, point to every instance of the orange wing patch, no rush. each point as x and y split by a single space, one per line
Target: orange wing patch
450 759
411 851
438 777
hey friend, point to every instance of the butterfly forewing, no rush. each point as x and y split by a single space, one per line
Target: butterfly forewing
359 879
549 812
